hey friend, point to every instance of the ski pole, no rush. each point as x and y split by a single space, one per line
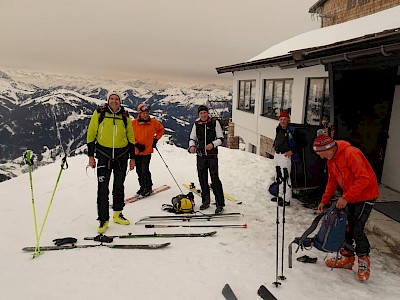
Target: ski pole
278 181
64 166
29 161
285 179
169 170
164 226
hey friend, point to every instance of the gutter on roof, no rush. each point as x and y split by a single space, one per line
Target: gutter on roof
316 6
384 50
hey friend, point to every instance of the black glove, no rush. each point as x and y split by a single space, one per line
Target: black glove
155 143
63 241
140 147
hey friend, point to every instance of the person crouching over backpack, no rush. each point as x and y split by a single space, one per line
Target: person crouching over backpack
110 137
349 169
147 133
205 137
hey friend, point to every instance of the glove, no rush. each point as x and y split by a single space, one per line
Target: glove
155 143
140 147
63 241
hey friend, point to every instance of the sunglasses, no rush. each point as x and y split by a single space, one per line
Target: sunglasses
144 108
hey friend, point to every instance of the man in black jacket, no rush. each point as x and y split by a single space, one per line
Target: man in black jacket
205 137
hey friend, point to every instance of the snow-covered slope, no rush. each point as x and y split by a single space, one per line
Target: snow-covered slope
190 268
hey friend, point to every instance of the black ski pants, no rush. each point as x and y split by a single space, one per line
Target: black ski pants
207 164
106 166
142 163
358 214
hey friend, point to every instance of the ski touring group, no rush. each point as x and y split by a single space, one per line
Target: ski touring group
113 139
116 143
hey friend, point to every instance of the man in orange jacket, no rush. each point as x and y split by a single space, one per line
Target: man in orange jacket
147 133
349 169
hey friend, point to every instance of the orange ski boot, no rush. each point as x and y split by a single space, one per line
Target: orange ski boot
364 268
345 260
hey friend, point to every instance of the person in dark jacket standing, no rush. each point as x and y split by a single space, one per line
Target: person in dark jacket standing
349 168
285 153
110 137
205 137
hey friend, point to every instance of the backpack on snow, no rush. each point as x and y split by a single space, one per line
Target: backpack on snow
330 236
181 204
274 189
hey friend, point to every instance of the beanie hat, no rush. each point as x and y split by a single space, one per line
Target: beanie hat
202 108
143 107
322 142
284 114
113 92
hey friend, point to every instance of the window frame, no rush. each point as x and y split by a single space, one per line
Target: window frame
274 113
324 104
243 95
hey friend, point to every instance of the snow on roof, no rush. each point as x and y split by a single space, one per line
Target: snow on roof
375 23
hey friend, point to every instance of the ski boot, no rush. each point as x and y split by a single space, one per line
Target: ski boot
119 218
364 268
102 227
345 260
219 210
146 192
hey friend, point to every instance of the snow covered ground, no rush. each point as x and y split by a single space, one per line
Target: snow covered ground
190 268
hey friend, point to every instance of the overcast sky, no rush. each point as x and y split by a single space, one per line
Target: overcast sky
178 40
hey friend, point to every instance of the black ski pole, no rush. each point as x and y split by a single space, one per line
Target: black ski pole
278 181
169 170
285 179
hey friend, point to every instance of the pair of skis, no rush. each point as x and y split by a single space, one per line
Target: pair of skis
129 235
155 191
73 246
206 217
263 292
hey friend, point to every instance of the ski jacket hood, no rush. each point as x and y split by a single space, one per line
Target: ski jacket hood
350 170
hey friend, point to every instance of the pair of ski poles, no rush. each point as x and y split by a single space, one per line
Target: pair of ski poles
28 156
280 179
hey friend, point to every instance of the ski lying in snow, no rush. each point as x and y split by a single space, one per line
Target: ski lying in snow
173 225
264 293
158 235
187 217
68 247
228 293
193 189
155 191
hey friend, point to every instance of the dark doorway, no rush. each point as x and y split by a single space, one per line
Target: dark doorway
362 106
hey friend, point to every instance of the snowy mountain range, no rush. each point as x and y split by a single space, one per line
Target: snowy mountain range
49 114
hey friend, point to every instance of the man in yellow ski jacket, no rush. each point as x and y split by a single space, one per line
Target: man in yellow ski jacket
110 139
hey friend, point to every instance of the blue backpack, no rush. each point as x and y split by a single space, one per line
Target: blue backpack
330 236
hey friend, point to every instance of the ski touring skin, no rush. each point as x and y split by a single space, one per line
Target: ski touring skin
68 247
206 217
228 293
193 189
158 235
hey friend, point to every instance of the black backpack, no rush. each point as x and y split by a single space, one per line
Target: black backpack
102 111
